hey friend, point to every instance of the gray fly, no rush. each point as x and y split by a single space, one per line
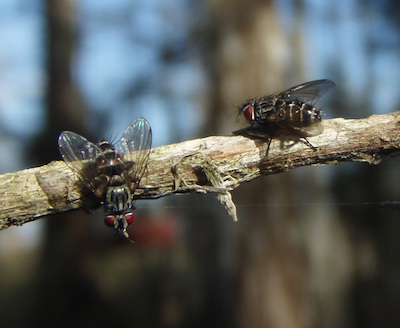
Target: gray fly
292 111
111 172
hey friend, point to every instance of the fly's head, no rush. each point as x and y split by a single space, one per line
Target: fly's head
120 222
248 109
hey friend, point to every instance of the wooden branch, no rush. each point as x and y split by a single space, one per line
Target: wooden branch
212 164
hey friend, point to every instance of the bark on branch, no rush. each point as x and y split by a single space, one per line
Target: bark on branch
212 164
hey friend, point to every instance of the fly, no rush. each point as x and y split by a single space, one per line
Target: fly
112 173
292 111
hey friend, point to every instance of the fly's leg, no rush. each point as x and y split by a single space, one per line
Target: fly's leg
304 139
269 144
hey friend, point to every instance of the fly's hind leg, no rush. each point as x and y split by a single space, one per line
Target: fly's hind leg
305 140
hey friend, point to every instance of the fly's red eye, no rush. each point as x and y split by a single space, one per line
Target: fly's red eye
109 221
248 112
129 217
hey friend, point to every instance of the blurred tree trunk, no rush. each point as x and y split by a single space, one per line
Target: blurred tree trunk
65 294
282 274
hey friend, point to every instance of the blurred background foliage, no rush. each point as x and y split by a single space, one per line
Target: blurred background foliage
312 248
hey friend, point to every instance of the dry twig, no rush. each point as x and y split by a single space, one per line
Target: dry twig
212 164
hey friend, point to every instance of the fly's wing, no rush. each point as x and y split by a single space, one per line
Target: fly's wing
306 131
82 157
308 92
134 150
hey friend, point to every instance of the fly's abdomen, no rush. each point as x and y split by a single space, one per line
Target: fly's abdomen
118 196
293 112
300 114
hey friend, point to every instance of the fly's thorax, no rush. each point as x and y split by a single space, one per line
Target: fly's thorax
107 149
265 110
118 195
105 163
111 162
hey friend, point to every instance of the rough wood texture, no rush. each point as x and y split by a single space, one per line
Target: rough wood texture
212 164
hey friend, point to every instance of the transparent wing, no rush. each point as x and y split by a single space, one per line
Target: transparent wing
307 131
308 92
81 156
134 150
